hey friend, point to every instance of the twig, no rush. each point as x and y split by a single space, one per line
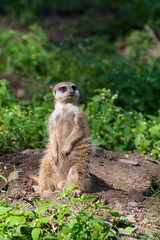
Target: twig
153 35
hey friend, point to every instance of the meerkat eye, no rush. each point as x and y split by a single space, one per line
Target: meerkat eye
74 88
63 89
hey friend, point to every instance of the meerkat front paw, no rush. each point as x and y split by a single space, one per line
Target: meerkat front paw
55 159
66 150
61 185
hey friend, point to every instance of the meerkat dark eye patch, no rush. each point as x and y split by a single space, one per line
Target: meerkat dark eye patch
63 89
74 88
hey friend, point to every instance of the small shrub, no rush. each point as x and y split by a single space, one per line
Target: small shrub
114 128
154 189
51 221
22 126
91 64
24 54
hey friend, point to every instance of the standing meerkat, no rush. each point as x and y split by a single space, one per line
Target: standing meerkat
68 155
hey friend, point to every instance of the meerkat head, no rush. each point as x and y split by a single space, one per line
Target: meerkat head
66 92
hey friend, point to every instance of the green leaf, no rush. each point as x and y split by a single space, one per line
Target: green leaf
35 233
49 203
96 124
73 200
28 213
38 201
2 224
138 139
115 214
119 148
65 230
111 233
146 143
155 130
130 230
16 212
72 223
41 209
48 237
18 235
96 220
41 221
24 229
109 129
3 237
4 210
127 130
84 198
5 179
15 220
123 219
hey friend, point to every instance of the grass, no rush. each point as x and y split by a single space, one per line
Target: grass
154 189
75 219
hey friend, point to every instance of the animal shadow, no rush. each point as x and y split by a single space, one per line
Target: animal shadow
99 185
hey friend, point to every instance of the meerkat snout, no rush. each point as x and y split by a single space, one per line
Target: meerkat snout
66 92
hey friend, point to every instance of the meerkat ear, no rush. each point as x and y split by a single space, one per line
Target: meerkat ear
54 92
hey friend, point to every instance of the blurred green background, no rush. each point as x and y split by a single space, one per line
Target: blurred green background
112 46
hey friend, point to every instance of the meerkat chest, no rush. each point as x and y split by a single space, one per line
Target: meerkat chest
65 120
64 125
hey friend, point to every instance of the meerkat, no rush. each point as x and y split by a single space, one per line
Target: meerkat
67 157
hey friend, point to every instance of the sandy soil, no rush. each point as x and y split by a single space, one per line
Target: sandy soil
119 181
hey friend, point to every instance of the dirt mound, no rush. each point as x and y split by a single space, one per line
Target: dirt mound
118 180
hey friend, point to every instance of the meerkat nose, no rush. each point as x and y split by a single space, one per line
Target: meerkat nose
71 93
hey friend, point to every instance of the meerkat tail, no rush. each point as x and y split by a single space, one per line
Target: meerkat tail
33 177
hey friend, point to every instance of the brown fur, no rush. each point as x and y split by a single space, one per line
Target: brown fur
68 154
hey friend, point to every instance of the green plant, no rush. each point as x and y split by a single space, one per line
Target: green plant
111 127
28 12
23 122
24 53
22 125
114 128
154 189
1 176
51 221
138 44
92 63
73 218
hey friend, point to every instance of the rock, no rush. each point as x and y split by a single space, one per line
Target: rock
30 198
133 204
131 218
37 151
28 152
124 236
20 92
17 196
145 221
150 159
37 188
98 152
13 175
129 161
140 216
128 238
136 195
118 206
